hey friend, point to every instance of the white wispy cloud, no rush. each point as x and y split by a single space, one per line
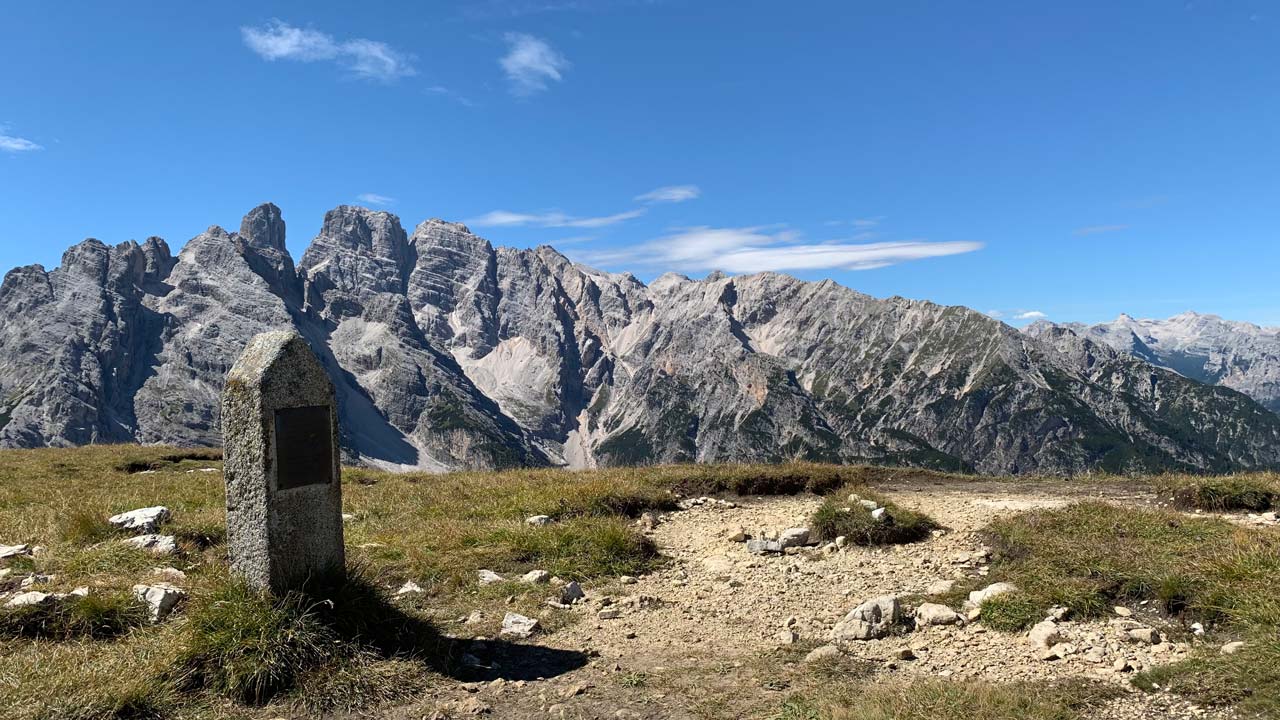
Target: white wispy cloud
13 144
997 314
363 58
757 249
1099 229
1030 315
375 199
443 91
670 194
530 63
504 218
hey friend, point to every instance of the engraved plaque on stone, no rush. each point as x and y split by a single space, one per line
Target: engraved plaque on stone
304 452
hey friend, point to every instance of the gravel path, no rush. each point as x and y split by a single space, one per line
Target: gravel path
719 632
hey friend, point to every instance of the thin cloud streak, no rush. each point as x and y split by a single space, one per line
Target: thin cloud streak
755 249
1099 229
670 194
363 58
530 63
375 199
504 218
13 144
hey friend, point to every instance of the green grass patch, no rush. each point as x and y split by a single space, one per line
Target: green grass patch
1254 492
86 527
249 646
841 514
934 699
97 615
1091 556
1011 612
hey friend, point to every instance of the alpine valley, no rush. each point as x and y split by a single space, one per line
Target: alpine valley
450 353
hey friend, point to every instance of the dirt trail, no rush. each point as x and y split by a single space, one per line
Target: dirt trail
709 635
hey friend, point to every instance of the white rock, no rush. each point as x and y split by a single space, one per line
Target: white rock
169 574
648 520
1122 611
1060 651
977 597
36 579
8 551
28 599
880 514
842 541
939 587
155 544
143 520
793 537
160 599
1044 634
517 626
936 614
872 619
822 653
348 517
538 520
627 580
408 587
787 637
82 591
1197 629
489 577
1145 636
1232 648
535 577
761 546
869 504
571 593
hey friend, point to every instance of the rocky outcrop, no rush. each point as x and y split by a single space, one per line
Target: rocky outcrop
447 352
1237 355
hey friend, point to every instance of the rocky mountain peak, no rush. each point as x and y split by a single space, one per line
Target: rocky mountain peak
263 228
448 352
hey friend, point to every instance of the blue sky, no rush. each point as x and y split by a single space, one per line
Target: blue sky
1075 159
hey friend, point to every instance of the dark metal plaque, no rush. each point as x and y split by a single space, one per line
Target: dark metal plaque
304 447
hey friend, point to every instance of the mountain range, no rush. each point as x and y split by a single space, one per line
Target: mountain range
447 352
1238 355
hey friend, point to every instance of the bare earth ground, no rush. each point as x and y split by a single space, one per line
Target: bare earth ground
702 637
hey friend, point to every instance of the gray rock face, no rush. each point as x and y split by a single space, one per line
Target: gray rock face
446 352
1206 348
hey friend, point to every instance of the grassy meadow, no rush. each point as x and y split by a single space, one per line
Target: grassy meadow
230 652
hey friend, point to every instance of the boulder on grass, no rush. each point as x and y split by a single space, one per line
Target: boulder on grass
143 520
154 544
872 619
160 599
936 614
517 626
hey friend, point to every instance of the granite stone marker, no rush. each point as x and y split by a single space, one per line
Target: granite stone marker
281 463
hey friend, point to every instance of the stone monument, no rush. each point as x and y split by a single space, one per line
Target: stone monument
281 463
